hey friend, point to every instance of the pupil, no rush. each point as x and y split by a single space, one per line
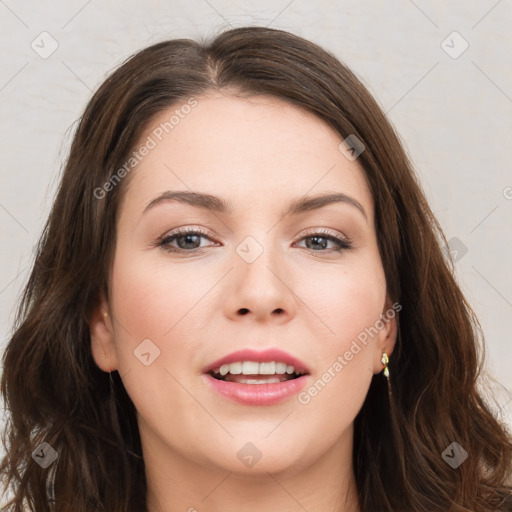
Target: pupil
187 237
316 238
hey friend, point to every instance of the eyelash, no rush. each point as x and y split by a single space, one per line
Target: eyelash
163 242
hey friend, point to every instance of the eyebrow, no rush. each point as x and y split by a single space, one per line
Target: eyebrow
216 204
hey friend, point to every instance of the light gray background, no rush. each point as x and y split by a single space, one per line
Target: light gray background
453 114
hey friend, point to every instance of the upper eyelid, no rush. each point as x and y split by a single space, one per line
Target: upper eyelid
187 230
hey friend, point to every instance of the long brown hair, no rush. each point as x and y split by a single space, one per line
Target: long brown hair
55 393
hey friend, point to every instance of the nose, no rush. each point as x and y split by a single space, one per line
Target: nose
261 290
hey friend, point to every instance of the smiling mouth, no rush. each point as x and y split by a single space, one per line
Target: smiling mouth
250 372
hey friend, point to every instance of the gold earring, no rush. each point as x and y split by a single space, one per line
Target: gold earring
385 361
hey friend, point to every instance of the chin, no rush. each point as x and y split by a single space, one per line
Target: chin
261 456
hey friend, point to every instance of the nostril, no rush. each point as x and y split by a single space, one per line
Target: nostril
244 311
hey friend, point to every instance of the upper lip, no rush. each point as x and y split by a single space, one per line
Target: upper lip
264 356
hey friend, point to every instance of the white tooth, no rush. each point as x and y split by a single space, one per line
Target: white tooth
290 369
267 368
250 368
235 368
224 369
280 368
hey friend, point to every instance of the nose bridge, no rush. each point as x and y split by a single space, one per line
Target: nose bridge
260 278
258 259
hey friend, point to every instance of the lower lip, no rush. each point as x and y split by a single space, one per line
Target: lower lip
257 394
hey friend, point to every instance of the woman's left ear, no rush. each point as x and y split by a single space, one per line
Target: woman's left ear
386 337
102 336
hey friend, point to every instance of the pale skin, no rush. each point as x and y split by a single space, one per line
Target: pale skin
309 300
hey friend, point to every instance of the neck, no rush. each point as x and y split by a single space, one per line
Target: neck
176 483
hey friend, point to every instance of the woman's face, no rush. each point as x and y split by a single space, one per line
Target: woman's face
258 276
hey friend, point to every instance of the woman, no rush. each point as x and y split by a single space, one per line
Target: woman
240 302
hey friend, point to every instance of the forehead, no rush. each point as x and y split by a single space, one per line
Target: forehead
257 150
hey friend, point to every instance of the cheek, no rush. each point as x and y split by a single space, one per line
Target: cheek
155 344
143 295
346 299
152 301
144 309
349 305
